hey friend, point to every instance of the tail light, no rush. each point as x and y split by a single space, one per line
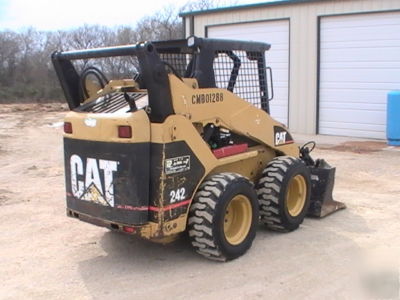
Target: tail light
128 229
124 132
67 127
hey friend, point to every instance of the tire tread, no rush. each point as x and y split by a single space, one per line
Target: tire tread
202 212
268 192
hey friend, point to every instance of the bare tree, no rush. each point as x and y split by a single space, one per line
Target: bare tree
26 71
198 5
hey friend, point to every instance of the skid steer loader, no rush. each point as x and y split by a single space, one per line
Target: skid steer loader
185 143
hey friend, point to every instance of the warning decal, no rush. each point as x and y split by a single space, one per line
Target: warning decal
177 164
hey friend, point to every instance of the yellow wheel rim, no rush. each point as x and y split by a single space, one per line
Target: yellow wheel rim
296 195
237 220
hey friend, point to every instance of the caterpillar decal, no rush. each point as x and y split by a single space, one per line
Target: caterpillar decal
282 136
85 179
105 181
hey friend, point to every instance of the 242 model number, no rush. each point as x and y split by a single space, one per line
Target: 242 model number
177 195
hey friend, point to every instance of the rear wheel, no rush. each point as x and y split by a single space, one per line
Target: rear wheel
223 217
284 193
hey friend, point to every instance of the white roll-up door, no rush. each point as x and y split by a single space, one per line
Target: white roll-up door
359 65
275 33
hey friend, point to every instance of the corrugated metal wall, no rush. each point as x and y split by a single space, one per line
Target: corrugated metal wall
303 45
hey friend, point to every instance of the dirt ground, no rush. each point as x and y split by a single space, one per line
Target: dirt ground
352 254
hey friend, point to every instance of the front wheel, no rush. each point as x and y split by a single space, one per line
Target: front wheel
284 193
223 217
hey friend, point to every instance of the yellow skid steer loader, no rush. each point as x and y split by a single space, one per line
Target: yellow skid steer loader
185 142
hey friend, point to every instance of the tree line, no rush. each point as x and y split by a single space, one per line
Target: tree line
26 71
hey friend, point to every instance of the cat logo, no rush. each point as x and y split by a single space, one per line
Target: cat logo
86 183
282 137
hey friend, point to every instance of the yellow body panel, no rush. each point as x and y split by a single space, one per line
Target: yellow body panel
231 112
103 127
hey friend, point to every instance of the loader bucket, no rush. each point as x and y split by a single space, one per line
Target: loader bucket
322 181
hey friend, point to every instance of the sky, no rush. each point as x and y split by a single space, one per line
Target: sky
51 15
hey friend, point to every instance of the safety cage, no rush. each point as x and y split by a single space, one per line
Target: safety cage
237 66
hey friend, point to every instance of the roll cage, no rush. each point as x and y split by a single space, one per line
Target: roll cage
238 66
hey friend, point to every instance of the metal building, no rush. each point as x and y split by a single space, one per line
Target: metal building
333 61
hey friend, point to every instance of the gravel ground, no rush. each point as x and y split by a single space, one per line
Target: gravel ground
352 254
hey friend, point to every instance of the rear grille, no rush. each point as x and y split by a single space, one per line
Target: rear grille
110 103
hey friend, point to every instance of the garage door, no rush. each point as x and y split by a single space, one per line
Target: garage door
359 64
275 33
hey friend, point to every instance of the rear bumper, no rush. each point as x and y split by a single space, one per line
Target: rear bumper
115 226
138 216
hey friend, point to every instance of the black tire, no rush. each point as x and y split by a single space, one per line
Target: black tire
282 206
209 231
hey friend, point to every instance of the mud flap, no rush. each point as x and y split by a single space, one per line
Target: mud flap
322 182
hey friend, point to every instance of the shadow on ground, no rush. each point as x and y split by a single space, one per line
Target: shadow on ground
134 267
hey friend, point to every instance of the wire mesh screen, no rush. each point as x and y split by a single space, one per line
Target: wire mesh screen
241 72
127 67
179 61
112 67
